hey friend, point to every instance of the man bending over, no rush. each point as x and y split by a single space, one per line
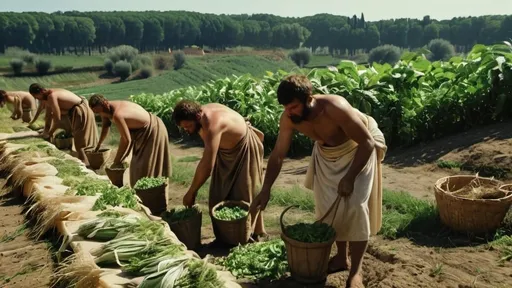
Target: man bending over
61 102
23 104
345 161
233 154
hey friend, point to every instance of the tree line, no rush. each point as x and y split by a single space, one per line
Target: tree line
82 32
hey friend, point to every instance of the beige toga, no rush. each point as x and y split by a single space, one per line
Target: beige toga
150 155
83 126
359 215
237 173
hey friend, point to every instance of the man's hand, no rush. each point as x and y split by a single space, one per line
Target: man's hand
260 201
346 186
189 199
97 148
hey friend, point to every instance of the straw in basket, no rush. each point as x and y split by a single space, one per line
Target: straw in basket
309 262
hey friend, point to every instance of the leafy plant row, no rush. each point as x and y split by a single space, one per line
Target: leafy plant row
415 100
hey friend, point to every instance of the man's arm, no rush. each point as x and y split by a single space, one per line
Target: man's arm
126 139
38 112
53 104
213 134
348 120
276 158
105 127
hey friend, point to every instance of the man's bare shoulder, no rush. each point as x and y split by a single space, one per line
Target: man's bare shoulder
334 104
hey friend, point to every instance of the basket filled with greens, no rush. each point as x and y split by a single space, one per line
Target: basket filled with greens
232 221
308 246
185 222
153 193
63 140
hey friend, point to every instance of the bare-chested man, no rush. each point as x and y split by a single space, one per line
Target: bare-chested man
63 102
233 154
23 104
345 161
141 132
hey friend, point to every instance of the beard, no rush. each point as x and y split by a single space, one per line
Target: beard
296 119
197 128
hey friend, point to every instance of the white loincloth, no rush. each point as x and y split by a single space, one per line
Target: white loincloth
359 215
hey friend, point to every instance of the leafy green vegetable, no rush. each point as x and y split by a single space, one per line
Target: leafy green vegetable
109 213
147 263
114 196
230 213
310 232
180 213
88 186
198 274
149 182
257 260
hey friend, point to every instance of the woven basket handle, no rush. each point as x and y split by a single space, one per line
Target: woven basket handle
337 204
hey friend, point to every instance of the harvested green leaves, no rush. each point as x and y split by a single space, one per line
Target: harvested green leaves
180 213
149 182
257 260
111 213
90 187
105 229
67 167
147 264
198 274
310 232
230 213
114 196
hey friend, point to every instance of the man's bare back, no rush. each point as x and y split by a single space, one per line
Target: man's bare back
232 124
321 126
133 114
27 101
66 99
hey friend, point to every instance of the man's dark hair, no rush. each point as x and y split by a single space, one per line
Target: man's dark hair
186 110
36 88
98 99
294 87
3 95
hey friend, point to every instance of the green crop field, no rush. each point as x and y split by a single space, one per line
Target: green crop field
75 61
197 71
64 80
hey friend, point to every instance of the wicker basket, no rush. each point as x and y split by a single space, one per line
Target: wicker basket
469 215
65 143
308 262
154 198
97 159
188 231
115 175
233 232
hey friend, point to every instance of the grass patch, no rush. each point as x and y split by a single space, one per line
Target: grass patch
403 214
64 80
29 268
448 164
75 61
10 237
197 71
295 196
188 159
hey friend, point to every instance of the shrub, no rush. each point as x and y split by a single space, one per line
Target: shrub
384 54
440 49
145 72
109 66
179 59
43 66
141 61
162 62
122 52
17 65
301 56
25 55
123 69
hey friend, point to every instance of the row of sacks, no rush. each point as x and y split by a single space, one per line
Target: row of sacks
50 207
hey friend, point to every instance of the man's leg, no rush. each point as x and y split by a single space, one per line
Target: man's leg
340 261
357 250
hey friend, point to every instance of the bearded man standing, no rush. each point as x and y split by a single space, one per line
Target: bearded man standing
345 163
233 154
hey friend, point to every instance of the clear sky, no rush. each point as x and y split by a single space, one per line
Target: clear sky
372 9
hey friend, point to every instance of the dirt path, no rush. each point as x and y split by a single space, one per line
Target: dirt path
24 262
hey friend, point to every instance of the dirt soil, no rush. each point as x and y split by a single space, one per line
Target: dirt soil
24 262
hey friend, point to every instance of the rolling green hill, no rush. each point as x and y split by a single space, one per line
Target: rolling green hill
197 71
